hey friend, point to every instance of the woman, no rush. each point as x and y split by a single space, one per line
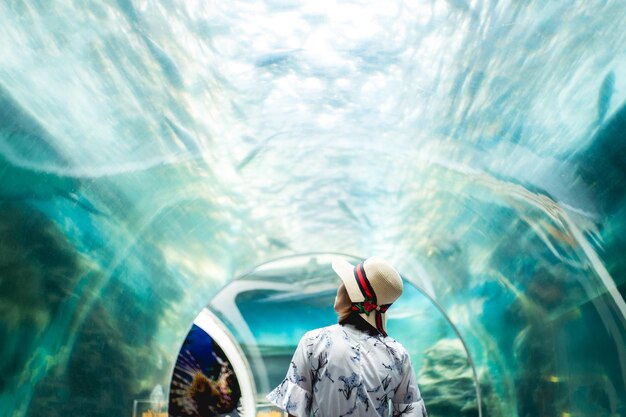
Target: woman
353 368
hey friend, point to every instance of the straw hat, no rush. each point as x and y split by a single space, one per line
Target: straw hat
373 285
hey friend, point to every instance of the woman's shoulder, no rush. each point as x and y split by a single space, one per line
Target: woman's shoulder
321 331
324 335
394 342
395 346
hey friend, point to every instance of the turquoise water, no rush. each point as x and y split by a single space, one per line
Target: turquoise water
154 152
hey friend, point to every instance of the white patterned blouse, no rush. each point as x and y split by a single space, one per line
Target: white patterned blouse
346 370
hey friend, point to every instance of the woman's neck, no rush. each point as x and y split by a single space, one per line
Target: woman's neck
360 323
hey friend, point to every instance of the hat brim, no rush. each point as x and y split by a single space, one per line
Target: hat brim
345 270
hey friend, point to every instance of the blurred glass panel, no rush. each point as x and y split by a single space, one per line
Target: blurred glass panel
152 150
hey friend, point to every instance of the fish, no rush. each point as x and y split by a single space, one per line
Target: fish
256 150
602 165
168 66
184 135
605 95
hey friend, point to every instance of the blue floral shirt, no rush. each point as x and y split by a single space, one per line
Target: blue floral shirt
341 370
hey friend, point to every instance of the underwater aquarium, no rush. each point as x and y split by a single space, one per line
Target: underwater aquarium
177 176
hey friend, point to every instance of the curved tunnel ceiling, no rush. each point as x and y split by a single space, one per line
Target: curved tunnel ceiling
151 151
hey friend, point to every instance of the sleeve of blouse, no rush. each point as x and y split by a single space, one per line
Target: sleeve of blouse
407 400
293 395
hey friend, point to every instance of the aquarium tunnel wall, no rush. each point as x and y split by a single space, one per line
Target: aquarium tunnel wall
178 172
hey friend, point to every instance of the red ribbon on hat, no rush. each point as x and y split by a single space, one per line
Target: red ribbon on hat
369 304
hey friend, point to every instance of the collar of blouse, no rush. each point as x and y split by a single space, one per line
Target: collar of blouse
355 320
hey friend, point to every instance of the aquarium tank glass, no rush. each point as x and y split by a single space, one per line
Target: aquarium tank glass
177 176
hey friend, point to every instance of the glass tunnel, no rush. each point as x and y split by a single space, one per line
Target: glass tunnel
177 176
